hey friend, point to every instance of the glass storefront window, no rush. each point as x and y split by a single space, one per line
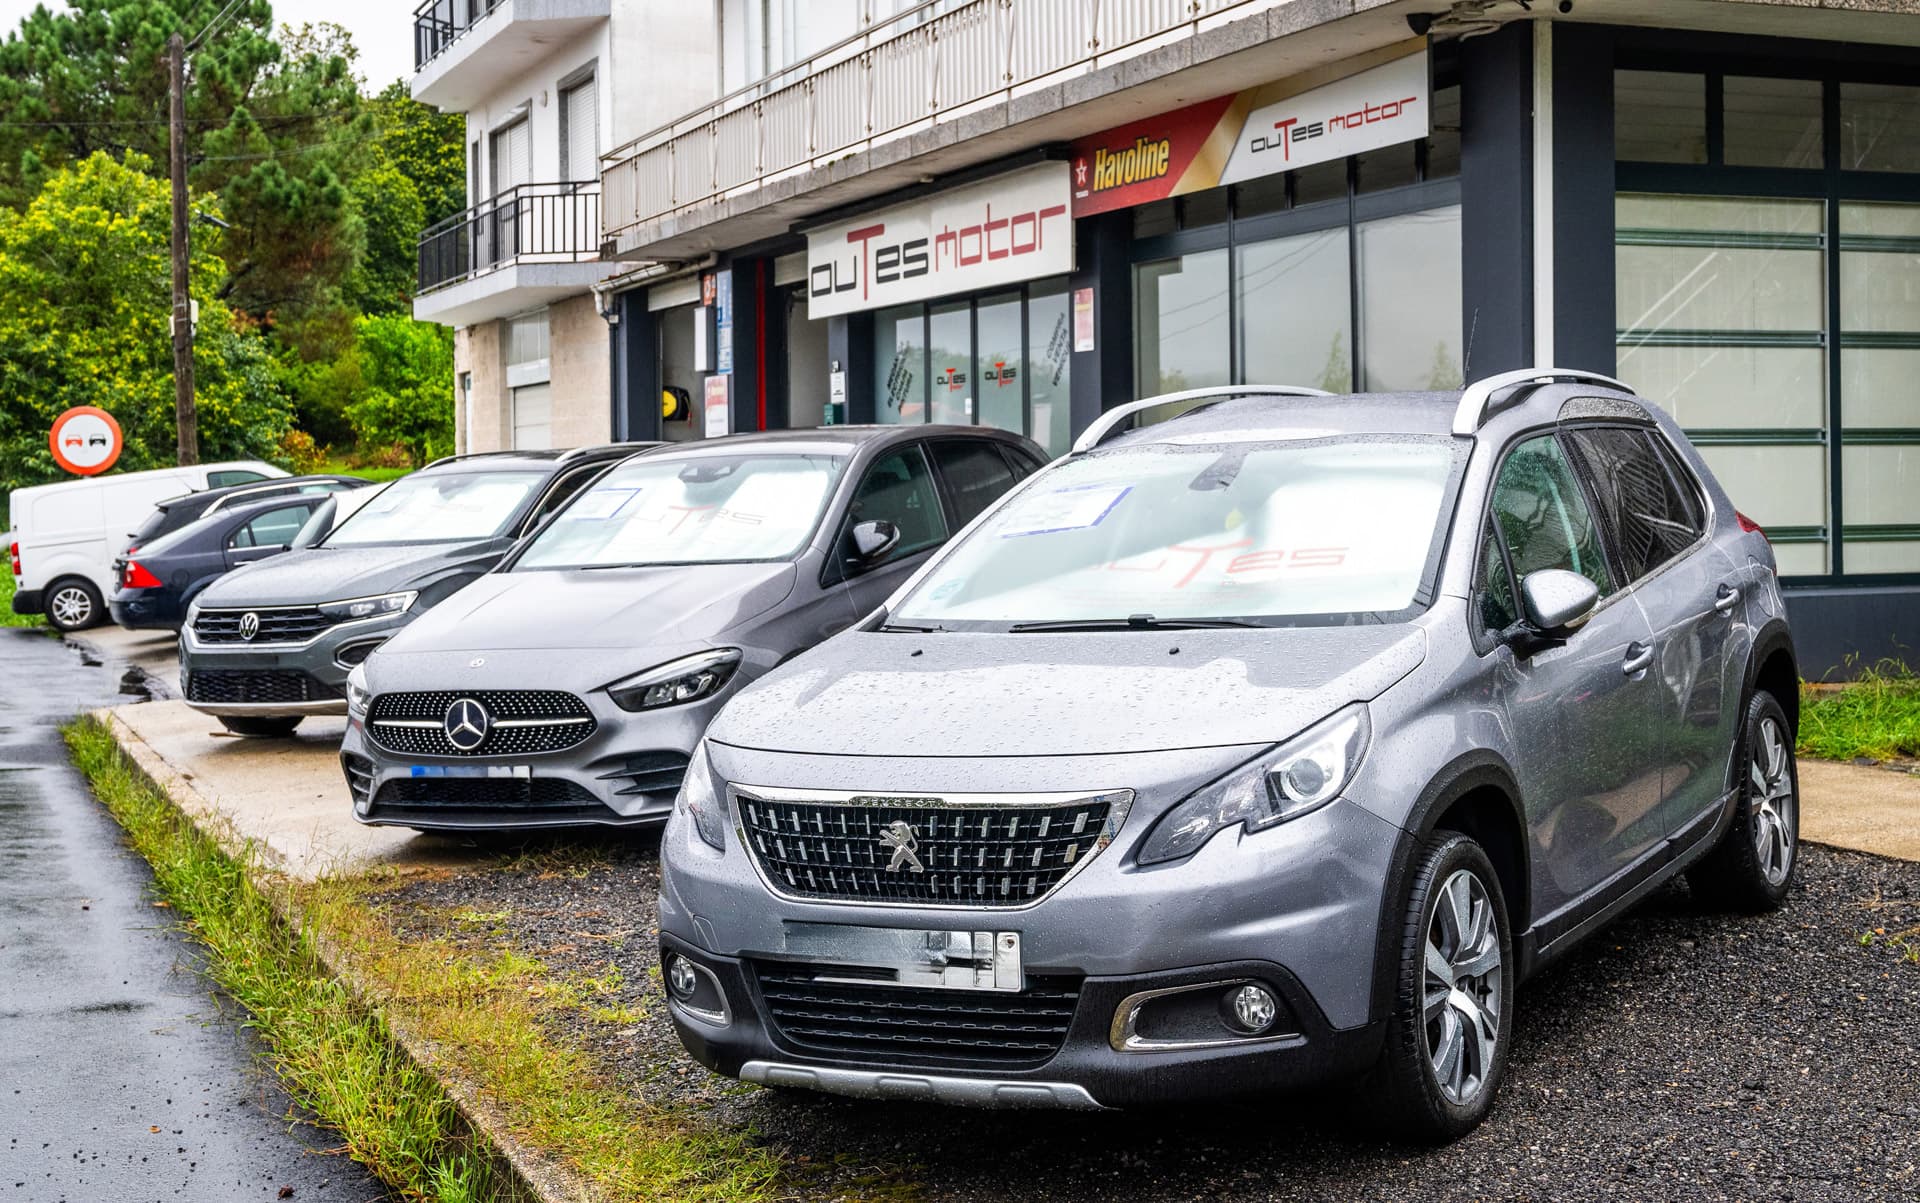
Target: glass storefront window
999 368
682 385
1879 358
1180 317
1050 363
950 362
1879 127
1721 311
900 364
1659 117
1410 301
1772 122
1294 313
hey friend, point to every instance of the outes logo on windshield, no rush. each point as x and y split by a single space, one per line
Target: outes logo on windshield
899 838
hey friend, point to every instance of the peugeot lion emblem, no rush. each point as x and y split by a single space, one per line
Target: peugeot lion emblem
467 723
249 625
899 838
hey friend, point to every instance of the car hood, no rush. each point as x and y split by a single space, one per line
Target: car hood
615 609
321 574
1080 693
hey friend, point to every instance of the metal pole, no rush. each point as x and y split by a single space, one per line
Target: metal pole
185 420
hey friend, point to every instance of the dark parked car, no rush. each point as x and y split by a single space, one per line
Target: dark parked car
263 648
176 512
157 582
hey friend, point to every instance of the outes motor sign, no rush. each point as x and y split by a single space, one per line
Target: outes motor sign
1382 101
85 441
1005 230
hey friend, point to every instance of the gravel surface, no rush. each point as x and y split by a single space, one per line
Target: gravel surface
1679 1055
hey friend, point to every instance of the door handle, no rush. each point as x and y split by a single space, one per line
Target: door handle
1639 655
1726 598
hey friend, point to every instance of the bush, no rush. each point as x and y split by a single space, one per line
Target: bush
407 367
301 454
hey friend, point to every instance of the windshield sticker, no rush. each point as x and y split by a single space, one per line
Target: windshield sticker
1066 509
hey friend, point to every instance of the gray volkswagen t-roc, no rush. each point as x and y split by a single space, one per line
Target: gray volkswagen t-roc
1272 743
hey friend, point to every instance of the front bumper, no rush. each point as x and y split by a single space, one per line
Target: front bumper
278 680
592 784
1088 1072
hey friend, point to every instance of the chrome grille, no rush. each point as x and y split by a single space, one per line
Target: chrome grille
985 850
278 624
256 687
891 1022
526 722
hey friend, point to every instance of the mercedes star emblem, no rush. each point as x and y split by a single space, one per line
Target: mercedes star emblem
249 625
467 723
899 838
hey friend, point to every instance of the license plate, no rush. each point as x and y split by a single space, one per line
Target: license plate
522 771
940 960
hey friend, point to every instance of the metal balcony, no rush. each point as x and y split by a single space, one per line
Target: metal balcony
902 74
463 49
527 245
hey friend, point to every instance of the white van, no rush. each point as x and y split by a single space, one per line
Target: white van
66 535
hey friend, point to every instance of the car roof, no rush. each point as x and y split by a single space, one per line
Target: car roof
266 484
836 440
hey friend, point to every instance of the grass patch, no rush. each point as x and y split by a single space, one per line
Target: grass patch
1875 716
7 617
478 1010
341 468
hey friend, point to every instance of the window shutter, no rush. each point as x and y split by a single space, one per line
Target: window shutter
583 132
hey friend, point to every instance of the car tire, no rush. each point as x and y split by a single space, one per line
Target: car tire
259 726
1751 869
1451 1023
73 604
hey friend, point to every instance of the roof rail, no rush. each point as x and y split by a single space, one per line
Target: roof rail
449 459
633 444
1477 403
1109 423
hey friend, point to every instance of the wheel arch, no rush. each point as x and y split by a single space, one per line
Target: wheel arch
1477 795
1773 667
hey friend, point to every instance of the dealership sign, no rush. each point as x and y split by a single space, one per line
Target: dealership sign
1279 127
1010 228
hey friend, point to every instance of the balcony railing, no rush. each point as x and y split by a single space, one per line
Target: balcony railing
901 73
437 24
531 223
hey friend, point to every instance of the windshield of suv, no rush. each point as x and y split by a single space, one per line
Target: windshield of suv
1328 530
438 507
704 509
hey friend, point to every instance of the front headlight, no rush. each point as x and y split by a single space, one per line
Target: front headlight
359 697
1302 775
369 607
687 679
699 801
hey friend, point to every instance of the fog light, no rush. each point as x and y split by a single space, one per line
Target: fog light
1254 1008
681 979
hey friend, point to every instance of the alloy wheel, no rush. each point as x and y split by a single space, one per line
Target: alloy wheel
1770 784
70 607
1462 988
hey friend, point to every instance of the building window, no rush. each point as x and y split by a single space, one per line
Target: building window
529 394
580 132
1783 331
1002 360
1295 317
1410 301
1659 117
1180 339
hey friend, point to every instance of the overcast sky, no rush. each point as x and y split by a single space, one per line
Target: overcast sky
382 29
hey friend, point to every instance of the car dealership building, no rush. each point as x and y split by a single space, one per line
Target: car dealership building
1020 212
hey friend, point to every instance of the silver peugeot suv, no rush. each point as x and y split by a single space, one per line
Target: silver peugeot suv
1270 743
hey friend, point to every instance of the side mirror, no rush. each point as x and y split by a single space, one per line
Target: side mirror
871 540
1557 601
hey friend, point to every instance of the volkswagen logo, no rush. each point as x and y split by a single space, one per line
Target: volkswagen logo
249 625
467 723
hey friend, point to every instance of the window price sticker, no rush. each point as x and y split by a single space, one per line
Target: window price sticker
1065 509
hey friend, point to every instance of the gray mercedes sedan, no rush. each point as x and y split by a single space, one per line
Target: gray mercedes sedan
1272 743
270 643
568 687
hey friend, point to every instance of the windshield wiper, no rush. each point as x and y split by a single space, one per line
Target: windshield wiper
1133 622
907 626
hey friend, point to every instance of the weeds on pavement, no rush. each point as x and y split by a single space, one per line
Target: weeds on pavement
1875 716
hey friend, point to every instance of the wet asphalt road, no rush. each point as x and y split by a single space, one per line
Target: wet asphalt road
123 1075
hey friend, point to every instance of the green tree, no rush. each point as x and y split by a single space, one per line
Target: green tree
392 216
407 371
272 130
425 145
84 320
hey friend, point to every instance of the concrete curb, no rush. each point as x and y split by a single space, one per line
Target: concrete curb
530 1175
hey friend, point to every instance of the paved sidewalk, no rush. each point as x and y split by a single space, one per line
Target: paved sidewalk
285 795
1859 807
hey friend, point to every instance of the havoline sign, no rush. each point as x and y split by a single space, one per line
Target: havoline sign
1004 230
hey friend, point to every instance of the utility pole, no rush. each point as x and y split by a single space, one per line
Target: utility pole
186 421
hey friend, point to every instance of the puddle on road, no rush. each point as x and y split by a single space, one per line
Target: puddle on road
136 683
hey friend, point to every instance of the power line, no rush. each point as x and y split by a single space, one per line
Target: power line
222 15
